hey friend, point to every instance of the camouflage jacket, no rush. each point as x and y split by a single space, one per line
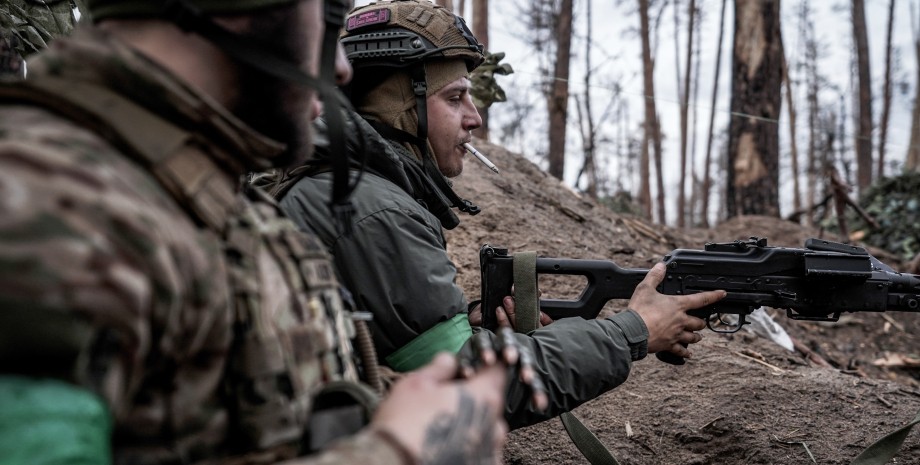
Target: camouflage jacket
135 267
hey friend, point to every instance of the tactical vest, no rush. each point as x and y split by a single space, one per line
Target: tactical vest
279 363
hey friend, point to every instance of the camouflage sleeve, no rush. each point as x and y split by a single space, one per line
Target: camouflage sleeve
370 447
103 280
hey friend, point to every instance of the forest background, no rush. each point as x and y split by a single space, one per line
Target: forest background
685 112
598 98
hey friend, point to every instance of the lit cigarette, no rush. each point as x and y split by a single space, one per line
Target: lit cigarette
480 156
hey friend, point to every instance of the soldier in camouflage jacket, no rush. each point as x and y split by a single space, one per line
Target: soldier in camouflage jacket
151 310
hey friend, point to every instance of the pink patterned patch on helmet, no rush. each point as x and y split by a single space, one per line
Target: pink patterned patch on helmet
368 18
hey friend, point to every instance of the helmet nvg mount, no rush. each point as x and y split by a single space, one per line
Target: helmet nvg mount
400 33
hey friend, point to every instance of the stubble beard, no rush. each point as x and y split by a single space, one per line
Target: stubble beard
274 107
452 170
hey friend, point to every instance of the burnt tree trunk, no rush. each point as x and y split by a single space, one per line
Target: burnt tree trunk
753 170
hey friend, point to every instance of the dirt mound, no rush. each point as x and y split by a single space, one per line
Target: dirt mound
742 399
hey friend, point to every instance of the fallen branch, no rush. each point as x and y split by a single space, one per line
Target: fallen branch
809 354
753 359
710 423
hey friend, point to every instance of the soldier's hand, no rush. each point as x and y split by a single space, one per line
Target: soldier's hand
670 328
506 314
504 347
440 419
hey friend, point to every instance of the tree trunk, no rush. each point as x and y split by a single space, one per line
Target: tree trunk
812 81
753 171
886 99
707 179
794 149
481 31
684 106
659 172
912 159
559 96
652 141
693 207
589 133
864 130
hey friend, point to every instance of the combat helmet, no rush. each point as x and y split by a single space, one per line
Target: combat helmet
401 36
400 33
195 16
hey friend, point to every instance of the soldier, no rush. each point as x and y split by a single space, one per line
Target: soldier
154 312
411 86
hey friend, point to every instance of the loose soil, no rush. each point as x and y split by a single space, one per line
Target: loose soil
742 399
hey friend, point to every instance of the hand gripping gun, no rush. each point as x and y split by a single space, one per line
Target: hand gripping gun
816 283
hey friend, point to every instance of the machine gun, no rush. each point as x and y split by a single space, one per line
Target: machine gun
817 283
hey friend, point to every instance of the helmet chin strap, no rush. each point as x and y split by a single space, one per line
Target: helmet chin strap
420 88
262 58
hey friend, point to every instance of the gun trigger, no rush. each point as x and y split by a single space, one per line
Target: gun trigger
742 321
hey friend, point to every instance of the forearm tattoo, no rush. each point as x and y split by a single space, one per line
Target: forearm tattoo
464 437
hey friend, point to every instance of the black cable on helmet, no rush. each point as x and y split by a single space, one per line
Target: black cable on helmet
190 18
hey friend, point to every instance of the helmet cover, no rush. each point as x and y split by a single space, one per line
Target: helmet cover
398 33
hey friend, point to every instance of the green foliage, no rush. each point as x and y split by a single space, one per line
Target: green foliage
485 89
895 204
35 23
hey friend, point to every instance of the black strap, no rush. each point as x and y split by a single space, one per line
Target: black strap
340 205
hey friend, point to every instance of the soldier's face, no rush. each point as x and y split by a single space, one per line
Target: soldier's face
280 109
451 117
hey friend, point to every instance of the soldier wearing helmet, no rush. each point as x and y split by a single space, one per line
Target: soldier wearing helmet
411 59
155 311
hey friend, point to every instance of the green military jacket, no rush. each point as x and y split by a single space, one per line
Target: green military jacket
134 268
395 263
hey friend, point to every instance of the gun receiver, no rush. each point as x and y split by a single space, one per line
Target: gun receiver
818 282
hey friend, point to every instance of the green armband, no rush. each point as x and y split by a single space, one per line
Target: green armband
446 336
48 422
